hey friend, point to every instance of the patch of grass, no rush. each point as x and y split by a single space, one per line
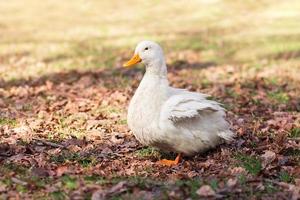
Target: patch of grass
295 133
141 182
122 121
39 182
230 92
21 188
253 144
205 83
58 195
96 179
193 185
148 152
214 184
9 167
138 181
285 177
242 179
251 163
27 107
292 152
69 126
272 80
8 121
279 97
84 161
7 182
270 188
70 182
24 174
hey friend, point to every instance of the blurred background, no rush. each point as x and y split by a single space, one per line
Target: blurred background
42 37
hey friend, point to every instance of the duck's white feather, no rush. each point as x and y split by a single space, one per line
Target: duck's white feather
192 116
174 119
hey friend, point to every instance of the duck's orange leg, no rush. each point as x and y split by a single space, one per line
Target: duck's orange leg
170 162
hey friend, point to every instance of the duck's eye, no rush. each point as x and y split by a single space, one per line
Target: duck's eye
146 48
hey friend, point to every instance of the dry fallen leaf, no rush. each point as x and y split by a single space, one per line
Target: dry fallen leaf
119 188
74 148
99 194
238 170
231 182
40 172
206 191
61 170
268 157
2 187
295 193
297 182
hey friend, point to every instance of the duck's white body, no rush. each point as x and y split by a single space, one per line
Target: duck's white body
174 119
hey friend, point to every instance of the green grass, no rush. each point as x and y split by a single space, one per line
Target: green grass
8 167
295 133
285 177
96 179
214 184
242 179
270 188
279 97
294 152
251 163
24 174
58 195
66 157
70 183
192 184
249 34
8 121
148 152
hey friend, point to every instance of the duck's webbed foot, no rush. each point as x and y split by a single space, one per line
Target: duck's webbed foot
170 162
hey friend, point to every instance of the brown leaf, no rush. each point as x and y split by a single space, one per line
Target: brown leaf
237 170
92 135
99 194
119 188
295 193
93 124
117 138
2 187
41 172
231 182
297 182
18 181
260 187
268 157
61 170
206 191
106 151
74 148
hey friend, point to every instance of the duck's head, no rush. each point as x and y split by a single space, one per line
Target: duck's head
149 53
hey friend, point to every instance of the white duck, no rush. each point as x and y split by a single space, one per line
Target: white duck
169 118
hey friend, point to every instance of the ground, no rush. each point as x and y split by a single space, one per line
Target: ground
64 95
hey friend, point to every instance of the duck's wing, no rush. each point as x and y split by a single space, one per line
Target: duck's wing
192 112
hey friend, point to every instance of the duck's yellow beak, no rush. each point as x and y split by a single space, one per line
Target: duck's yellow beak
134 60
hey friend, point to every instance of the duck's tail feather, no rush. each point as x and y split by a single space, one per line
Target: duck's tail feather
227 135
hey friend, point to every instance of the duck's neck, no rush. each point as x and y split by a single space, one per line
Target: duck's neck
157 67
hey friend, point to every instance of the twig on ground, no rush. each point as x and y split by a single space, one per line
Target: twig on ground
18 181
52 144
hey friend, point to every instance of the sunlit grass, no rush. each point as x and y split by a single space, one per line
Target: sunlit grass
96 34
